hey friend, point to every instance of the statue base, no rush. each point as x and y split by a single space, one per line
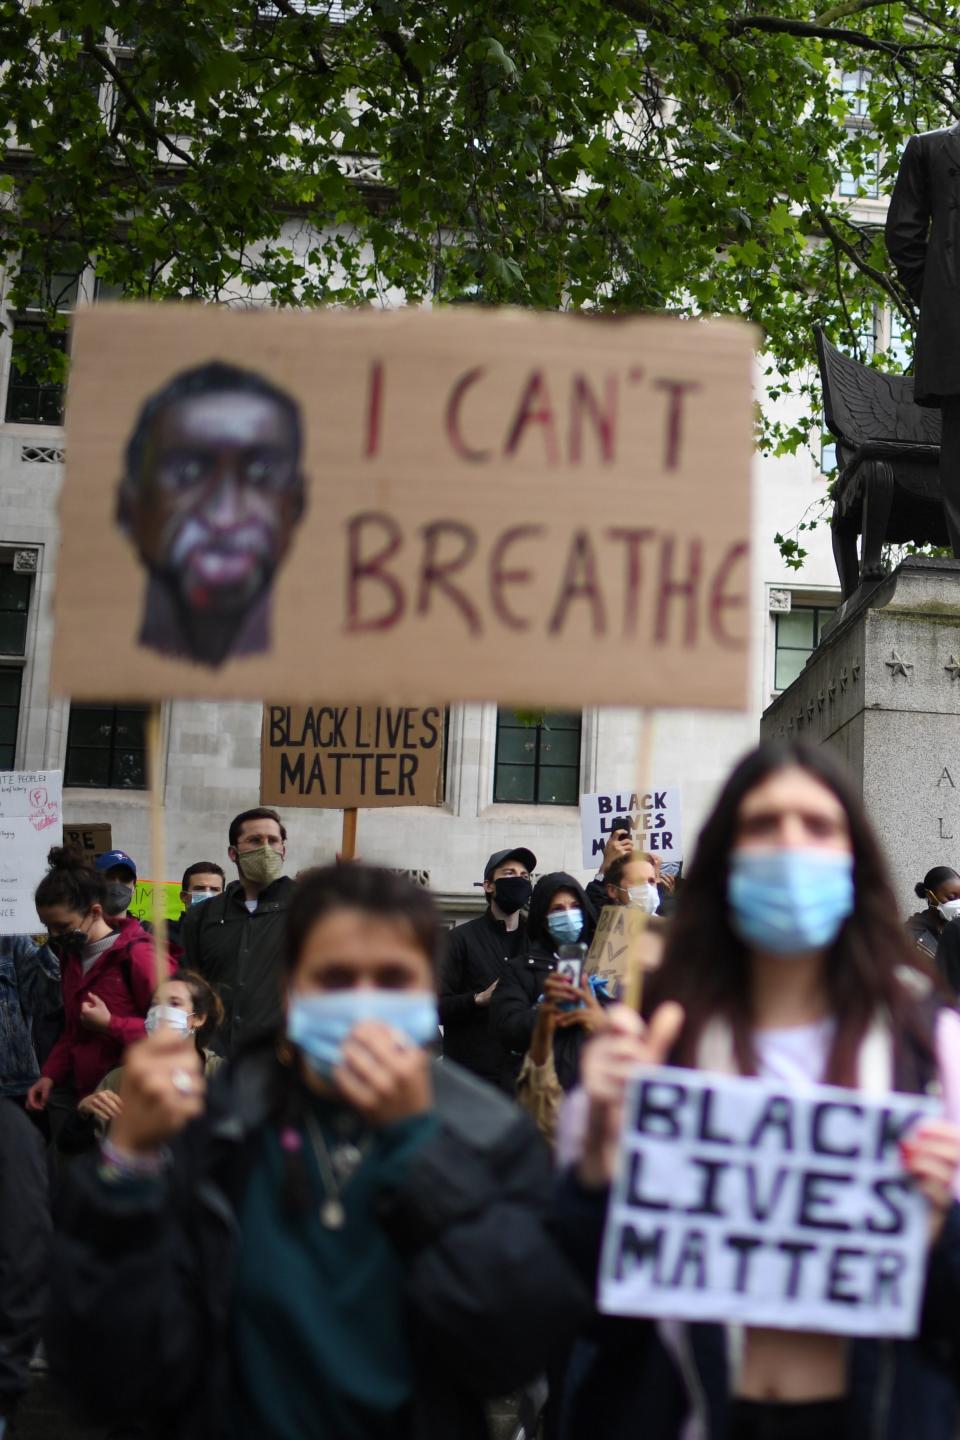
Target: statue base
882 690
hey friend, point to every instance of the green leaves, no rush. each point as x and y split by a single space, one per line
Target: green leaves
522 152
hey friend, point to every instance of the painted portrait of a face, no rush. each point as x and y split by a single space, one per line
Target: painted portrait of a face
211 495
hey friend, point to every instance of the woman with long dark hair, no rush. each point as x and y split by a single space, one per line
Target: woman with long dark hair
787 960
349 1240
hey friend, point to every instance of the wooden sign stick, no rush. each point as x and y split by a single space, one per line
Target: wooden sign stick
158 859
633 990
348 839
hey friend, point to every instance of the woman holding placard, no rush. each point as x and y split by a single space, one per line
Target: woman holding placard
786 961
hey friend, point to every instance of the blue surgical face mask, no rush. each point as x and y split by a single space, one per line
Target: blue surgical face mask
318 1024
566 926
197 897
789 901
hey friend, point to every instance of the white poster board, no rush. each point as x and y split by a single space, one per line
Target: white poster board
744 1201
654 817
31 822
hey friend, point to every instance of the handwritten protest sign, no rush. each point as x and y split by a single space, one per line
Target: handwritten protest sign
653 816
89 840
31 819
622 931
349 756
747 1201
399 501
142 904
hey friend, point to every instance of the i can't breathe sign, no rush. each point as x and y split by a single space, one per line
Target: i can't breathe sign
741 1200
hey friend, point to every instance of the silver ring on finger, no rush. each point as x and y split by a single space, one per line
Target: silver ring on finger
182 1082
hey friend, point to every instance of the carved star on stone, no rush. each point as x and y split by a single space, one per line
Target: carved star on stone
810 709
855 669
821 700
898 666
844 677
952 667
832 690
790 724
799 718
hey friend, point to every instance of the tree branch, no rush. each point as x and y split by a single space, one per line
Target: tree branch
811 30
903 304
146 120
850 7
304 25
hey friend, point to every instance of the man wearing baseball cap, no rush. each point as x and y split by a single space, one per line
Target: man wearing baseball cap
121 874
477 954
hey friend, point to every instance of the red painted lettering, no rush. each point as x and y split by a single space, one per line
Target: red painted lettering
634 540
686 589
583 401
719 600
499 577
676 389
534 409
362 567
435 573
580 583
374 404
454 433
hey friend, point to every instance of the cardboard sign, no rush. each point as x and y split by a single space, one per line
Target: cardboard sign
750 1202
654 817
351 756
621 932
31 823
142 903
473 505
90 840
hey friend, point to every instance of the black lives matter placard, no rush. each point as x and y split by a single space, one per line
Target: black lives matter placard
741 1200
351 756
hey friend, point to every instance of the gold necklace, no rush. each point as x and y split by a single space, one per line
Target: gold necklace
336 1170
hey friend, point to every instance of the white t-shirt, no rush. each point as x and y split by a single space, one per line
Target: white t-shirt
797 1054
252 904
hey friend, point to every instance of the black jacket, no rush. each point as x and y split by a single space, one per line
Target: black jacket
24 1238
141 1290
923 239
477 954
925 929
948 958
241 954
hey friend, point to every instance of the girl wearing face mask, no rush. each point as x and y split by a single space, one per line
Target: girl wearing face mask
940 888
108 973
187 1005
350 1240
786 960
559 914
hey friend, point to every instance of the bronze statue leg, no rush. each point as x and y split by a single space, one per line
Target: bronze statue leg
844 537
877 503
950 470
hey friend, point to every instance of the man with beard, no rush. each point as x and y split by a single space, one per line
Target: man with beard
211 495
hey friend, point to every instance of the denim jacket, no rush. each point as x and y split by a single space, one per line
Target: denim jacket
29 996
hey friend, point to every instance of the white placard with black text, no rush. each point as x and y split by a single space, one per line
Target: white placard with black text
745 1201
654 817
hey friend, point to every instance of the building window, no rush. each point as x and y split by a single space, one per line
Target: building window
538 764
861 179
900 343
106 747
11 683
14 610
853 84
32 398
797 636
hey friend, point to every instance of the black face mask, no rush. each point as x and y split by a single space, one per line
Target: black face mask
512 893
117 897
71 942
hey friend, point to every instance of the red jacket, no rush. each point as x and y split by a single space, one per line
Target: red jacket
125 977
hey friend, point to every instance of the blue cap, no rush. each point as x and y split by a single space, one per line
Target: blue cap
115 857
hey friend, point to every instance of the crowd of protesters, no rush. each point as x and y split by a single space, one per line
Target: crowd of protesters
280 1213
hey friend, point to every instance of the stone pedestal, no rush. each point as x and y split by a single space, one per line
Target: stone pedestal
883 691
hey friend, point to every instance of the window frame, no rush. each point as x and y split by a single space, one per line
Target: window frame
539 763
69 782
821 613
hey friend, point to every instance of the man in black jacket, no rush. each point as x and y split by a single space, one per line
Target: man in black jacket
235 940
477 956
923 240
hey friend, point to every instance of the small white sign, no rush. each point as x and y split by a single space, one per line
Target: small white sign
653 816
31 823
745 1201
